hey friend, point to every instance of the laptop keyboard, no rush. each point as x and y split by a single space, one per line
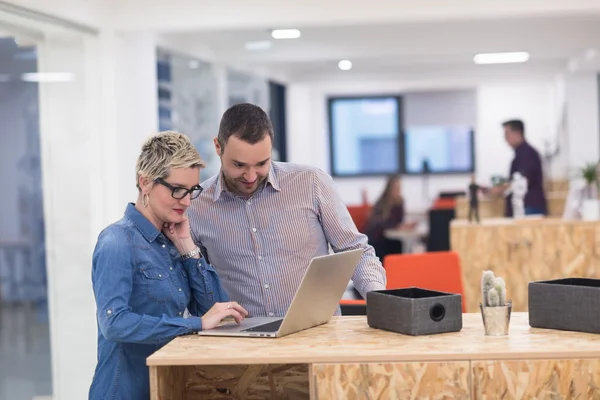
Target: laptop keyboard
269 327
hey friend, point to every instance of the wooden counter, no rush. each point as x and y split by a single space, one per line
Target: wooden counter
345 359
493 207
521 251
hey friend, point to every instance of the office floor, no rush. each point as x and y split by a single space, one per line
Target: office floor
25 366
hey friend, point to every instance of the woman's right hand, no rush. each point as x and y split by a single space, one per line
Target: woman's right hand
223 310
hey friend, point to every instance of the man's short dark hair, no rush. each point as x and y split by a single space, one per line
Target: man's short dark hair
247 122
516 125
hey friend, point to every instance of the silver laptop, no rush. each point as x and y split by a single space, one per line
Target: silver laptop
314 303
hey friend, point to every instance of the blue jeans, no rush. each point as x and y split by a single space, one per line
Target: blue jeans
533 211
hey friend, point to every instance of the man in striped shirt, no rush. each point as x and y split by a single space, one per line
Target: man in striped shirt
261 221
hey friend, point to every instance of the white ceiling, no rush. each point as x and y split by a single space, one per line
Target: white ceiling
189 15
393 37
406 48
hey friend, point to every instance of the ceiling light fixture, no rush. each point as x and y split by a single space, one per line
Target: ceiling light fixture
345 65
590 54
258 46
501 58
48 77
285 34
193 64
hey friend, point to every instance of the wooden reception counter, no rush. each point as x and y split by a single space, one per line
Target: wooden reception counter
493 207
521 251
345 359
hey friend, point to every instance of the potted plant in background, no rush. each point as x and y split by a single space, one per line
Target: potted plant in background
590 207
495 309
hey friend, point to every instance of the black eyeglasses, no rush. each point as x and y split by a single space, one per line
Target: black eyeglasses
178 192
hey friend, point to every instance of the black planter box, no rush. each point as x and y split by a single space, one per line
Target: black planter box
569 304
414 311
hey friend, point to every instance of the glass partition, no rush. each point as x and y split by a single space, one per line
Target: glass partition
187 102
48 108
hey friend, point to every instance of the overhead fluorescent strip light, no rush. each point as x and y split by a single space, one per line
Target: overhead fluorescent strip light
48 77
501 58
285 34
257 46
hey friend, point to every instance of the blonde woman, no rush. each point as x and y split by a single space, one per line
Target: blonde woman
148 275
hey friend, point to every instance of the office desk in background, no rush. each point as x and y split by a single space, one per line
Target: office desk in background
521 251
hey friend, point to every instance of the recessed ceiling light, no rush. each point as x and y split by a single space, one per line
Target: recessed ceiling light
258 46
285 34
345 65
501 58
194 64
590 54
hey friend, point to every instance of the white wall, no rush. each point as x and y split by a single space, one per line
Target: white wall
531 100
92 130
583 118
68 191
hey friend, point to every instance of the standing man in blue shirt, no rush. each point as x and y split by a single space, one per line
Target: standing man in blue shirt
528 162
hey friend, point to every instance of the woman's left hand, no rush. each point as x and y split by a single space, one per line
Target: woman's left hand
180 235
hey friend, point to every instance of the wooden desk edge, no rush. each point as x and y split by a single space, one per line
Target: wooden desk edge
384 359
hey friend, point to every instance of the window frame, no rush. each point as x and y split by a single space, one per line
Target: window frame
472 170
399 168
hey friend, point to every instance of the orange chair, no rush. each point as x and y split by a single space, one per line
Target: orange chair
444 204
438 270
353 307
360 216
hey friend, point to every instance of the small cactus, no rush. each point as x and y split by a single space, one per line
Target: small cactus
493 290
493 299
500 287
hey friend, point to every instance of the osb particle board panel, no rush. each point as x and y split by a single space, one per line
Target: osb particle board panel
524 251
392 381
488 208
351 340
556 185
494 207
540 379
257 382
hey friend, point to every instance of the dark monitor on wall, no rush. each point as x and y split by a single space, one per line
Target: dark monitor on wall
442 149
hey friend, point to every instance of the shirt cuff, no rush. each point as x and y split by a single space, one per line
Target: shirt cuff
372 286
194 324
194 265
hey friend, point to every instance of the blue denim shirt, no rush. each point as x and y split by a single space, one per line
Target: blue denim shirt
142 288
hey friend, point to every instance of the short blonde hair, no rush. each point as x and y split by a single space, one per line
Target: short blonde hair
164 151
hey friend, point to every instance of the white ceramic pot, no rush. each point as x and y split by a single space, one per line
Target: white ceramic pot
590 210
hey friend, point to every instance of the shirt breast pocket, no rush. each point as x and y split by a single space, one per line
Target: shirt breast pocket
156 284
300 231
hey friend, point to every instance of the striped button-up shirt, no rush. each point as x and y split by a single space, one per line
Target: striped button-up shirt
262 246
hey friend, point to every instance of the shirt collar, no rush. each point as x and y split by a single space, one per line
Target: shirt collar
272 178
142 224
220 186
521 146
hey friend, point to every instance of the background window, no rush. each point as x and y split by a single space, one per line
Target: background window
447 149
364 135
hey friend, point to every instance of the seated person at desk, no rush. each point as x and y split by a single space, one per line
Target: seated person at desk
145 277
387 213
262 221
